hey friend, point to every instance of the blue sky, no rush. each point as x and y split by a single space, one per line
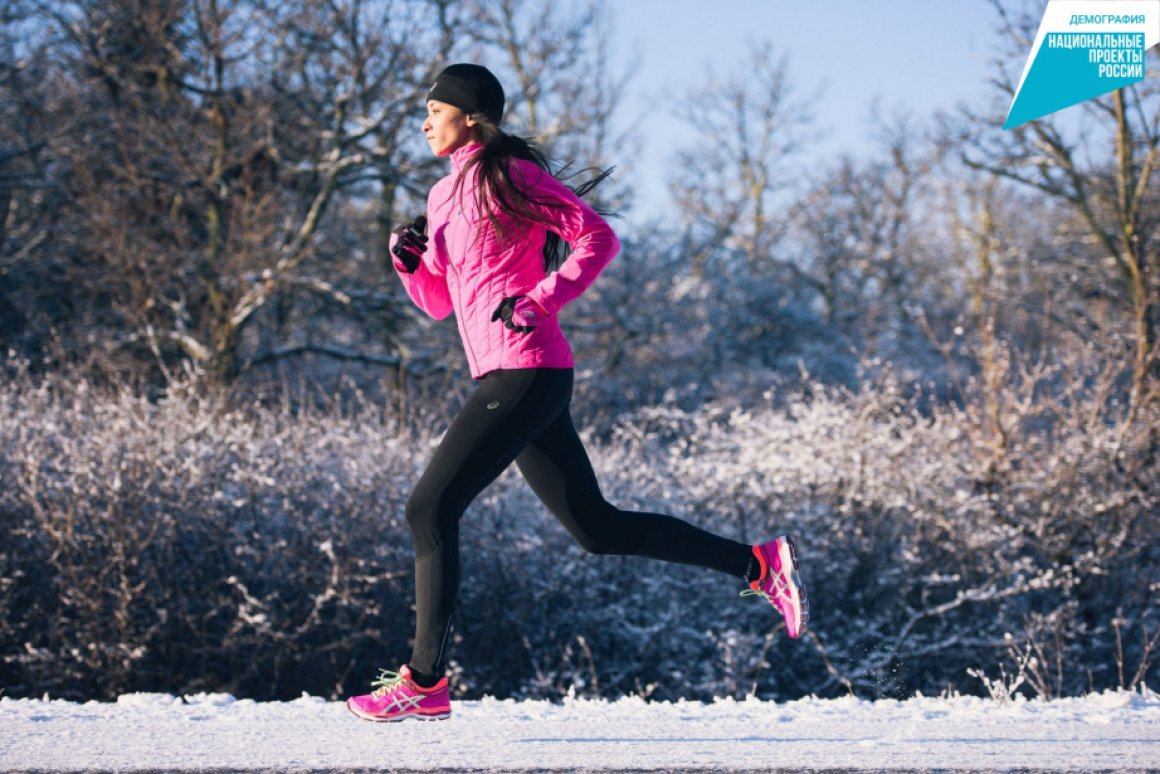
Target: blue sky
918 56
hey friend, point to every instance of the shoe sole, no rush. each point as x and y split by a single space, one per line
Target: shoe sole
799 586
397 718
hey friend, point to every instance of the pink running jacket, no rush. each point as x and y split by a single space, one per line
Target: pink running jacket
468 270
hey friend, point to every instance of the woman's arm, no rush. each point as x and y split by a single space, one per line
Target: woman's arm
427 284
593 242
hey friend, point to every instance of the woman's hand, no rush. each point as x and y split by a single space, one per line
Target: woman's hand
410 245
519 313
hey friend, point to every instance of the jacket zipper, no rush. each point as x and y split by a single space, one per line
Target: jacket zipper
473 361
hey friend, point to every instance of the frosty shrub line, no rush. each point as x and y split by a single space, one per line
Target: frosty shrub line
183 544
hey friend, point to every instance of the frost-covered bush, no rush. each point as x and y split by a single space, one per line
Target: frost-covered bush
187 544
929 537
178 545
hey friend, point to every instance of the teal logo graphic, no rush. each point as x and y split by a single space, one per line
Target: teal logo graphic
1084 49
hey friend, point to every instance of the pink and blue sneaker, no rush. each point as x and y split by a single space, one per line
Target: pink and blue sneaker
398 697
780 583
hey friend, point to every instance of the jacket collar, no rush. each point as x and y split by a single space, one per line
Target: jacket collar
460 156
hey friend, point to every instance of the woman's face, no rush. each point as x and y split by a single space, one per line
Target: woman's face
447 128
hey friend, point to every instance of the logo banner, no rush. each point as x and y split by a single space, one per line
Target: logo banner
1084 49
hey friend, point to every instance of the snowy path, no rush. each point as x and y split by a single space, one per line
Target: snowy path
1118 731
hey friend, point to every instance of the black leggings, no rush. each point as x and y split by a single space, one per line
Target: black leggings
523 415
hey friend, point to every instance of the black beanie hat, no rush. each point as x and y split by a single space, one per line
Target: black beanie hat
471 88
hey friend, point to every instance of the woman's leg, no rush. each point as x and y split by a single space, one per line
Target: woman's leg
506 412
559 471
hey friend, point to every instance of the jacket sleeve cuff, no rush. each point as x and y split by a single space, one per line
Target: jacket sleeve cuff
395 260
402 267
536 295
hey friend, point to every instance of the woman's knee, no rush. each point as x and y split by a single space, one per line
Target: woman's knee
430 518
604 530
418 512
594 545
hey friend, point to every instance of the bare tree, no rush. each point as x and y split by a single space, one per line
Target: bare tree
206 150
734 188
22 174
863 244
732 185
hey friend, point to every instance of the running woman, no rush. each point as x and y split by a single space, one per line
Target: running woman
487 251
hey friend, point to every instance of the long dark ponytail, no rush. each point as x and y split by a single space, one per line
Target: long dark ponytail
495 185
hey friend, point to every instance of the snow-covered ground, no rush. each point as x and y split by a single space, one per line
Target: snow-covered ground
156 731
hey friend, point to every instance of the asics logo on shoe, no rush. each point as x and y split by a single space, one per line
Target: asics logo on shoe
402 704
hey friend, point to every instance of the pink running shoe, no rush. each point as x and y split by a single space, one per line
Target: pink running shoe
780 583
397 697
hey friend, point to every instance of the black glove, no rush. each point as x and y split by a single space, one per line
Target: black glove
411 244
526 312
